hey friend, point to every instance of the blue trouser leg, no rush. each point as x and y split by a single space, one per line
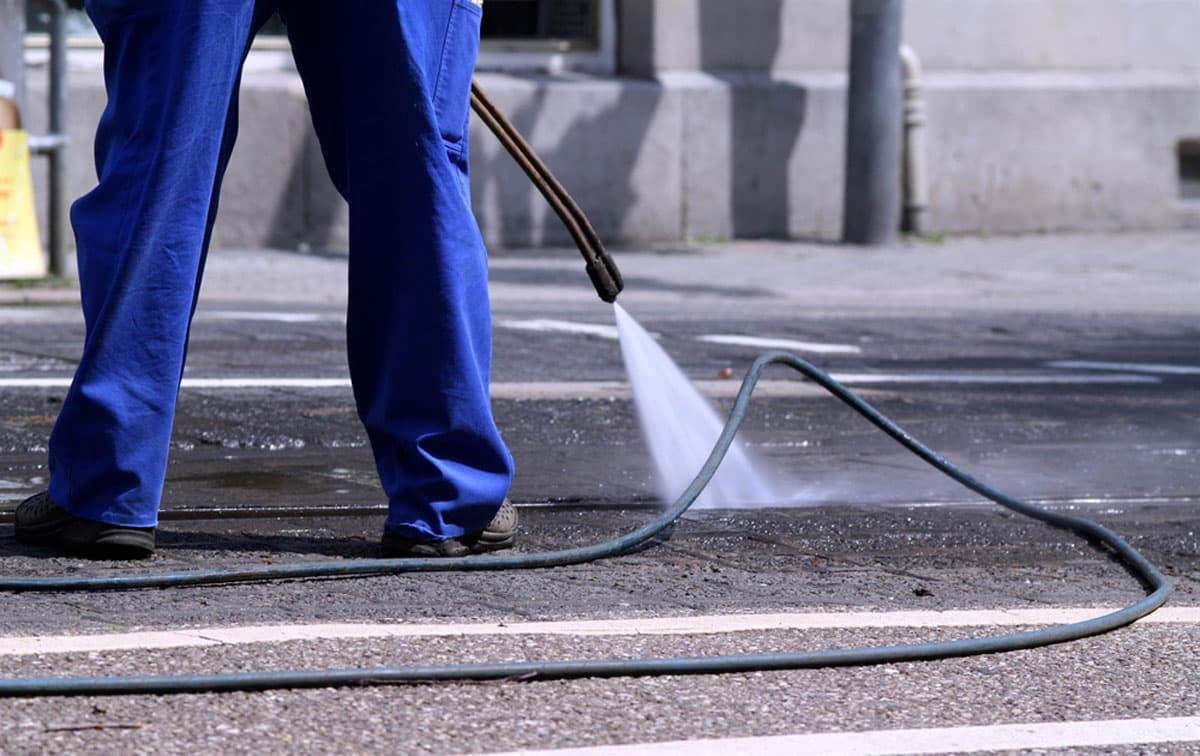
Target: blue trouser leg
171 68
388 85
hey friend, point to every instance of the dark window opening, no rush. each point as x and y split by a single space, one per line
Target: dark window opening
1188 153
564 20
37 18
539 19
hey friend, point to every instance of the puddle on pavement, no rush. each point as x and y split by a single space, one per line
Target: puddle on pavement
256 480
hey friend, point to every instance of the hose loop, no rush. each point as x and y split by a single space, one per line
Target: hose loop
1156 583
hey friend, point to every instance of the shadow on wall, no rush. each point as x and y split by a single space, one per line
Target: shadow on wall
739 43
310 212
726 171
592 139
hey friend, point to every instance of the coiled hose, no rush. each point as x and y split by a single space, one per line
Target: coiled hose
1157 584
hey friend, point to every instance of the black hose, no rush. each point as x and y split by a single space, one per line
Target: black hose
1157 584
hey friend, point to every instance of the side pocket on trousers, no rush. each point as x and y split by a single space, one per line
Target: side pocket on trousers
452 90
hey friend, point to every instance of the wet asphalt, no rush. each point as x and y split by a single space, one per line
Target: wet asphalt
279 475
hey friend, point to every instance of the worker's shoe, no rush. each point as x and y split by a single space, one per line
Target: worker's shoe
41 522
498 534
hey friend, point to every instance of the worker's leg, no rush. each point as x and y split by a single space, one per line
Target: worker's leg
388 84
171 68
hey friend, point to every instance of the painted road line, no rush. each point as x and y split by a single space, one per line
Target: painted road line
700 625
198 383
264 383
1126 367
518 390
72 314
1004 737
544 325
18 383
719 389
619 389
42 315
1015 378
788 345
270 317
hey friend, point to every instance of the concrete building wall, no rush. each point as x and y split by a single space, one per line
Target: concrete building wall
12 30
812 35
728 122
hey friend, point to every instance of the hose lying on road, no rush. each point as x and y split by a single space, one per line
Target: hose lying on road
1098 535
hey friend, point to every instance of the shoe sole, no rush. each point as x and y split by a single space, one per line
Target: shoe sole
115 542
122 544
449 548
501 533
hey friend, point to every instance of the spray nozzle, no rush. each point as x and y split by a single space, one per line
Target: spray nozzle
606 277
601 268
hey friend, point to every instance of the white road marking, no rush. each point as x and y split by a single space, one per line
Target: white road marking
785 344
198 383
998 378
268 316
1127 367
265 383
545 325
35 382
1005 737
518 390
72 314
39 315
718 389
619 389
701 625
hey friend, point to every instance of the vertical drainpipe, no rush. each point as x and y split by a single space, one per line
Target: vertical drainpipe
915 218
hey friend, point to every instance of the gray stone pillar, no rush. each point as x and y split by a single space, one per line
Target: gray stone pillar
635 37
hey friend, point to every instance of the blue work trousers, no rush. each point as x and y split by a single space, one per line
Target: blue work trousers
388 85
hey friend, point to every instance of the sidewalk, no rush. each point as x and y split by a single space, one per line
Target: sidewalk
1123 273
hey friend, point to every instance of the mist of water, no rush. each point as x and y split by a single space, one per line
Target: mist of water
681 427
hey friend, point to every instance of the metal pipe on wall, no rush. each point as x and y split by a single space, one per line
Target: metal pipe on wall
915 218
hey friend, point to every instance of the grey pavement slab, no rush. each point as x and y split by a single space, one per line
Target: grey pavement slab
1122 273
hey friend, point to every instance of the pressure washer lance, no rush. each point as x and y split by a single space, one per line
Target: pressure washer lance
599 264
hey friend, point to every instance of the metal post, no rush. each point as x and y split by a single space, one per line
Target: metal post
53 144
57 202
871 207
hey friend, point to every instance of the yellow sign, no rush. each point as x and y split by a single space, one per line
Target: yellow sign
20 248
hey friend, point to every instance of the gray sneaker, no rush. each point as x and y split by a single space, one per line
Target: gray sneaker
41 522
498 534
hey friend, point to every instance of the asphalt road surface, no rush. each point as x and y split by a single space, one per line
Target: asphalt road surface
1089 410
